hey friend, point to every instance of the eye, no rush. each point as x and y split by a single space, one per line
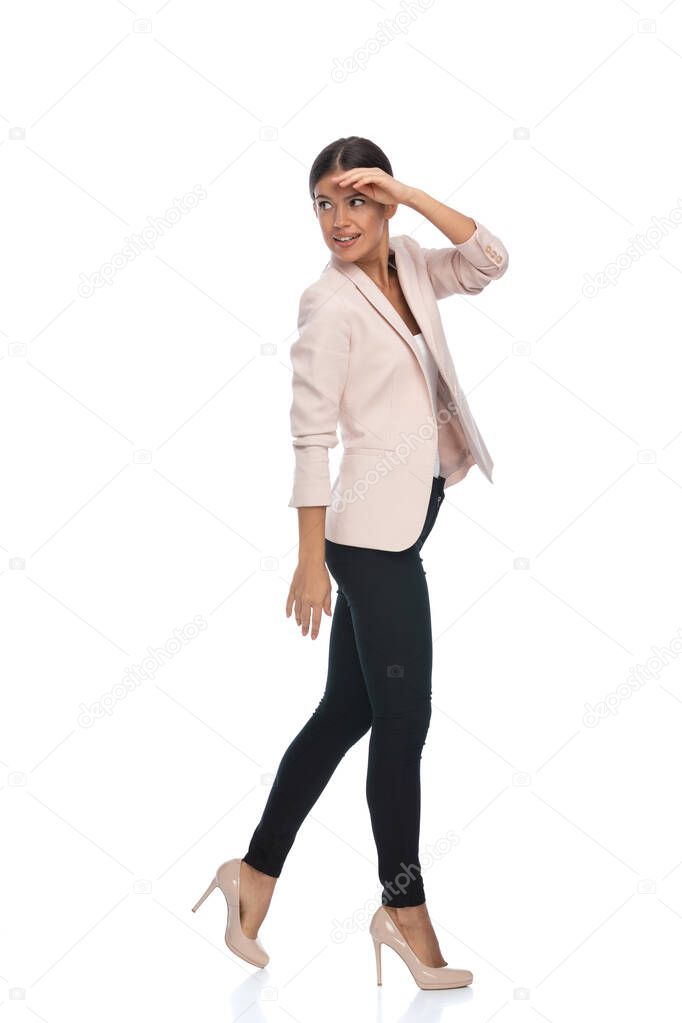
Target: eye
322 202
357 198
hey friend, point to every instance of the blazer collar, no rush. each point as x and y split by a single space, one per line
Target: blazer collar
409 283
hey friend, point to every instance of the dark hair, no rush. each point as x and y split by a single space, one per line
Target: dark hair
344 154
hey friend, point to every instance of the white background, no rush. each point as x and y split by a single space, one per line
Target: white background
146 467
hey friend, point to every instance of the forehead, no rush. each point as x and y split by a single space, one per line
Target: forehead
326 186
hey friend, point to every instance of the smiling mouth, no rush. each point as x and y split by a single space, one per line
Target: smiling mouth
345 239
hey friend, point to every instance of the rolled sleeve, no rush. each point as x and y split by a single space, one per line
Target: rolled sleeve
466 268
319 361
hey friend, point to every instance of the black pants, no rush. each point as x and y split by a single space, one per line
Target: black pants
379 677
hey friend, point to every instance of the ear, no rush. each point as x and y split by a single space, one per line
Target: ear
315 210
390 210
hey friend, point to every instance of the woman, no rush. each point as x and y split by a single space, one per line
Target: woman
371 357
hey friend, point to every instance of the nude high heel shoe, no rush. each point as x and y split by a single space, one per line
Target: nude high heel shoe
384 930
250 949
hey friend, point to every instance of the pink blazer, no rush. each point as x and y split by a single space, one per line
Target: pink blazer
356 367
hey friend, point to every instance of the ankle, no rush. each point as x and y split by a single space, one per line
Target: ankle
415 916
258 877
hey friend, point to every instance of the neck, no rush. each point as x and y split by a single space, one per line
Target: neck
379 268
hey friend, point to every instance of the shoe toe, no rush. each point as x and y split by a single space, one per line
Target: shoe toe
258 954
462 977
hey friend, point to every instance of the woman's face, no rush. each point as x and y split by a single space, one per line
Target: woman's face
343 212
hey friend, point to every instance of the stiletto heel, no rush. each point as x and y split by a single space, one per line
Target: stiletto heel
227 879
377 953
383 929
213 884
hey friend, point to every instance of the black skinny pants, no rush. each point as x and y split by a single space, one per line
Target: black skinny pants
379 677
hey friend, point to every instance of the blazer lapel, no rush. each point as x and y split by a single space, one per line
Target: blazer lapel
411 290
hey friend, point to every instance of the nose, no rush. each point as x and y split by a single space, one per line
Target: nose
340 218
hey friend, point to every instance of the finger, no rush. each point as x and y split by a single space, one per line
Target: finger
352 177
317 614
352 170
289 604
297 610
305 617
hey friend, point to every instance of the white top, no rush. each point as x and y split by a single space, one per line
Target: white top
431 369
